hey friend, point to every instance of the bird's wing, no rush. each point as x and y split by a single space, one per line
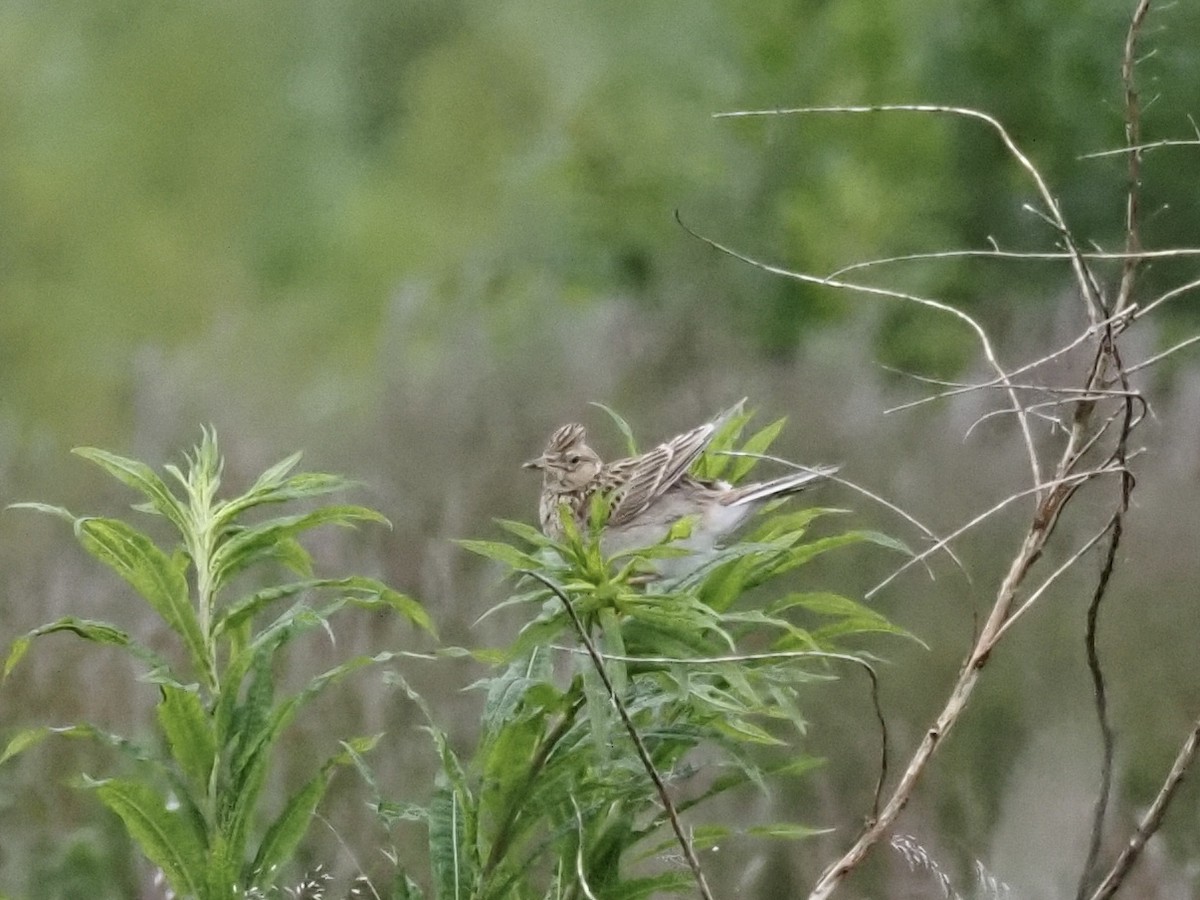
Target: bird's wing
634 483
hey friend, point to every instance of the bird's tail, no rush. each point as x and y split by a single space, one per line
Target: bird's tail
780 487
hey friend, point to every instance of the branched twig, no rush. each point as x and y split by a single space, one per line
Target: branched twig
1041 589
985 343
1071 481
660 786
1052 496
1105 409
1090 333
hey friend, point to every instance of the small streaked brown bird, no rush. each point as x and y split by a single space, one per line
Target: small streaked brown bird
649 493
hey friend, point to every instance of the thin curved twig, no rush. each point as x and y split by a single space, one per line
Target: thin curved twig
870 495
1087 285
1090 333
1074 479
1163 298
876 703
1019 255
985 343
1159 357
1129 270
1050 579
1140 148
1100 692
660 786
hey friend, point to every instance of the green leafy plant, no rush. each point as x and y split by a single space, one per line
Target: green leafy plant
192 802
628 701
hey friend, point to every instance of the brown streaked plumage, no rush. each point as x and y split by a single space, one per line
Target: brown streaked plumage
648 493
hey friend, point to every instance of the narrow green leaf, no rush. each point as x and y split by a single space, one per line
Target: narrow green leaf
363 592
702 837
289 828
135 752
784 557
259 738
140 477
90 630
789 523
248 546
275 475
759 442
16 652
189 733
452 848
23 740
744 730
252 715
613 644
714 462
168 839
885 540
742 774
272 488
652 886
247 608
502 553
157 577
623 426
504 758
410 608
526 532
290 553
59 511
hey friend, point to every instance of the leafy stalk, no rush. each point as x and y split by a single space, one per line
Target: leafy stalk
193 807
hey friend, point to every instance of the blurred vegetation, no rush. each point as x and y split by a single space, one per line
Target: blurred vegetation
165 164
411 237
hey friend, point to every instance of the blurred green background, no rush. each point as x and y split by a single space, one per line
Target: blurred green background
411 237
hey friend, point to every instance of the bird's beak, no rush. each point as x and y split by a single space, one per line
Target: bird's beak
536 463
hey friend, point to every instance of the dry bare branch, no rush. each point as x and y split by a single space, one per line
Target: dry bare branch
1152 820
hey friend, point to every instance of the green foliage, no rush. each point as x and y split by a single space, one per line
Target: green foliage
181 163
192 806
554 800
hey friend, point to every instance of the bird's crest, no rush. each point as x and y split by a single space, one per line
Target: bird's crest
565 438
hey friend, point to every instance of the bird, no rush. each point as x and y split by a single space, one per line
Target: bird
649 493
